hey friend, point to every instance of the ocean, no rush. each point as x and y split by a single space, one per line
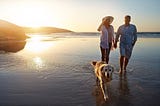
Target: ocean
55 70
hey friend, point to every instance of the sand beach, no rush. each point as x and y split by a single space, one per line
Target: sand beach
55 70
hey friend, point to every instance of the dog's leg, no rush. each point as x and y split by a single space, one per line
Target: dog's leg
103 90
107 89
97 81
97 77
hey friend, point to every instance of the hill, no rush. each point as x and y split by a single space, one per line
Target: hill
44 30
10 31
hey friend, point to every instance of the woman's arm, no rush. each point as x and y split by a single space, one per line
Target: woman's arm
100 27
117 37
113 34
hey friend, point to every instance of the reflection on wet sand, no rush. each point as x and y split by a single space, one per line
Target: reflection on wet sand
124 91
60 75
123 85
12 46
99 98
119 96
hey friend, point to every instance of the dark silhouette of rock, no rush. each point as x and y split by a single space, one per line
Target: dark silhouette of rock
12 46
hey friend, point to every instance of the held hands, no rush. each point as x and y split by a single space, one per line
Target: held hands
115 45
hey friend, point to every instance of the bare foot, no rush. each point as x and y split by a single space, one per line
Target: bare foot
120 71
106 98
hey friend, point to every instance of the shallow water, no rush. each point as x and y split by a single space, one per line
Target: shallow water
55 70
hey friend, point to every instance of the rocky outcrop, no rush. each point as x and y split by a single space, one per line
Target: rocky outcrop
12 46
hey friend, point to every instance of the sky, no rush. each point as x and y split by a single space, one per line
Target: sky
81 15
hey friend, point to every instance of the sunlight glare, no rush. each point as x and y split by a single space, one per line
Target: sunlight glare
37 45
38 62
33 14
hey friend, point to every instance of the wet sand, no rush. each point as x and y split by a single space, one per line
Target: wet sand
57 72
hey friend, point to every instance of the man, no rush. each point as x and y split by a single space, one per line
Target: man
128 38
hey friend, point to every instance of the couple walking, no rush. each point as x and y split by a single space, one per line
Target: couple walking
128 37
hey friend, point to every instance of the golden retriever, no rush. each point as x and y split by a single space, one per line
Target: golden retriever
103 72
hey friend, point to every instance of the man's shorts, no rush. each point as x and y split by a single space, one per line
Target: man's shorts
126 50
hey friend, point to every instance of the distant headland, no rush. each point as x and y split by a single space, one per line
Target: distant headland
10 31
45 30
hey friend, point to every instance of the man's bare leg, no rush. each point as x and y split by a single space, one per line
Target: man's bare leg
126 60
121 64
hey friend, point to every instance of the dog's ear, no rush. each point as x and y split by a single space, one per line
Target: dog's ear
93 63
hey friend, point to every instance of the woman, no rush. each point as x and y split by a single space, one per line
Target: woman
107 37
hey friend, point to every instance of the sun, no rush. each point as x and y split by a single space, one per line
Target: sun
34 15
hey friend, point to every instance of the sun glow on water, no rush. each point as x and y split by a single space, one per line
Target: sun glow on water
37 44
38 62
